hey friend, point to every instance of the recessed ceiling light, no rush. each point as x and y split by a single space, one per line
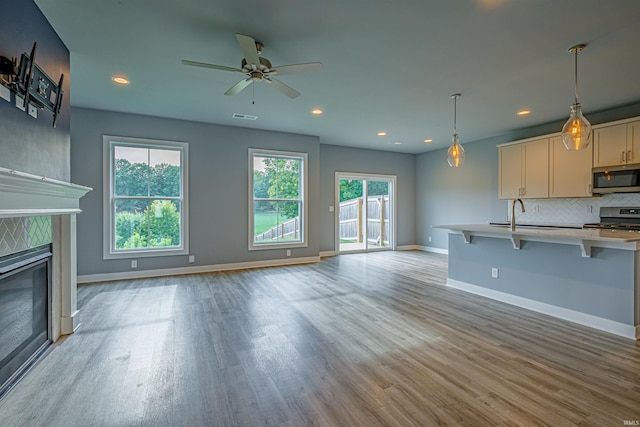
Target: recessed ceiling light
428 140
317 112
524 112
120 80
383 133
395 142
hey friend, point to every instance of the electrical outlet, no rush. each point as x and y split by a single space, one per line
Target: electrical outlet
429 238
588 209
192 259
288 252
33 111
494 273
134 263
20 103
331 208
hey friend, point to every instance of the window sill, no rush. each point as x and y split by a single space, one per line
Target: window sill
145 254
278 246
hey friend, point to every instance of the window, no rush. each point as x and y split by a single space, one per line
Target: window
277 194
145 198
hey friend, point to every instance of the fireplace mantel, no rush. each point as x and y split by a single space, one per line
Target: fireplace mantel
24 195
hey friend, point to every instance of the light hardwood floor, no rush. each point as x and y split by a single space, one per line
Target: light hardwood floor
355 340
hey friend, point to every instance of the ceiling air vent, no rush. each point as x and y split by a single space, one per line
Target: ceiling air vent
244 116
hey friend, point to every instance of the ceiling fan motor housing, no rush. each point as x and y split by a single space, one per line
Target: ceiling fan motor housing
265 64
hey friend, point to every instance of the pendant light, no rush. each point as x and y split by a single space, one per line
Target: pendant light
576 132
455 153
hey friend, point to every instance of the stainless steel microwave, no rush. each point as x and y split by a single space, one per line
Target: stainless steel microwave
616 179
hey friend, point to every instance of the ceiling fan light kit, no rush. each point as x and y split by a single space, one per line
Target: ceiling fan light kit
576 132
455 153
258 69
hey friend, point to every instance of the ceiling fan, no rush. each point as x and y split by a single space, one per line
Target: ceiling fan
259 68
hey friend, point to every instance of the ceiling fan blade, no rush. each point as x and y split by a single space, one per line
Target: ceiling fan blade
236 88
249 50
311 67
215 67
287 90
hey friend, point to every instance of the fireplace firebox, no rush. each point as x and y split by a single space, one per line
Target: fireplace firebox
25 319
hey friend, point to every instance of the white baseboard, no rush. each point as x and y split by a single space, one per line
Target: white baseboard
407 248
143 274
69 324
617 328
432 249
325 254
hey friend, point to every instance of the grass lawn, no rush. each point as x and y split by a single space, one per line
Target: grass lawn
264 221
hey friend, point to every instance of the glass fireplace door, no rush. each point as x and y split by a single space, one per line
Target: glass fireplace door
24 311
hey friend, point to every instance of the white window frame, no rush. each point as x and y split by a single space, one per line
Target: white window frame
303 157
109 250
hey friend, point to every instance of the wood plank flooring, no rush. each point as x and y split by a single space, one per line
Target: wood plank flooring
355 340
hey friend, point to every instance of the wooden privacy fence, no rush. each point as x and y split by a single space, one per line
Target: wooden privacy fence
289 230
351 220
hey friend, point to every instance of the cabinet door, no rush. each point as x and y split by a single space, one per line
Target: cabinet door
570 171
633 142
535 181
610 146
509 171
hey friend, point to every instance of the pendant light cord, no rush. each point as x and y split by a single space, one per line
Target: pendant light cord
576 75
455 109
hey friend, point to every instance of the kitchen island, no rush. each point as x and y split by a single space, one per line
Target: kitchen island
589 277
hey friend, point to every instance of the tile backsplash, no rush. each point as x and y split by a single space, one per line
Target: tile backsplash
19 234
570 211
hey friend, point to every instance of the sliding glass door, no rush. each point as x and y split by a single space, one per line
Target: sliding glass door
365 212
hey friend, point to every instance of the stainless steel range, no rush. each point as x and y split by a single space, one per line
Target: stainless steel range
616 218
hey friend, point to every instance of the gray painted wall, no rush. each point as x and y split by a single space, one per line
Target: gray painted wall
28 144
218 187
555 274
469 194
335 158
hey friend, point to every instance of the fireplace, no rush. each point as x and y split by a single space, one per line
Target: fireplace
37 267
25 299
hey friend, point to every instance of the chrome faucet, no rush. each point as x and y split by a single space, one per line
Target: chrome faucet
513 212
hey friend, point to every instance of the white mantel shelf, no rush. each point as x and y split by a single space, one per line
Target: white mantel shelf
23 194
586 239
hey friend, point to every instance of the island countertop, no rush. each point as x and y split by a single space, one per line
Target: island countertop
585 238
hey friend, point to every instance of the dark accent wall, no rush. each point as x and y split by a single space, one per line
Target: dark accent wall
28 144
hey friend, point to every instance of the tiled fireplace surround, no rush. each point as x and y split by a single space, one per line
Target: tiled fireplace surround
36 211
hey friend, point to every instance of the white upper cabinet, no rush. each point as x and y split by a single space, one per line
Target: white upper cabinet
616 145
510 172
524 170
569 171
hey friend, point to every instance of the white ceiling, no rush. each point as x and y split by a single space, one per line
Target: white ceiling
388 65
